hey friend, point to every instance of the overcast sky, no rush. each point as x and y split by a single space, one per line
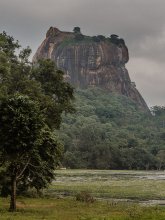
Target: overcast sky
140 22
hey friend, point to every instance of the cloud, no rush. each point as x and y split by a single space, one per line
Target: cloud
150 79
139 22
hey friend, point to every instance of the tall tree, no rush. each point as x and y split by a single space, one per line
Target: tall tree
32 99
20 125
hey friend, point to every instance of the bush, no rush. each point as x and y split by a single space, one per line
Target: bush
85 197
101 37
95 39
79 37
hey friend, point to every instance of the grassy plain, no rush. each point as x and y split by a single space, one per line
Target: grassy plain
106 185
70 209
135 185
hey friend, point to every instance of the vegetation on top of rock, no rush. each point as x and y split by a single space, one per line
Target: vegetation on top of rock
77 30
116 40
80 37
98 38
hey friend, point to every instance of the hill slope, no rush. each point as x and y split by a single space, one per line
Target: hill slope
109 131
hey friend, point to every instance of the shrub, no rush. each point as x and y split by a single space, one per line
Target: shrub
85 197
79 37
95 39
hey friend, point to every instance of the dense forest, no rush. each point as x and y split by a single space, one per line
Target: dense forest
109 131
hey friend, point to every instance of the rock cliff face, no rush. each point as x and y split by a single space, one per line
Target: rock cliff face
91 61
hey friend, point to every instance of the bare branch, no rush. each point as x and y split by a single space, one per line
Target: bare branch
21 173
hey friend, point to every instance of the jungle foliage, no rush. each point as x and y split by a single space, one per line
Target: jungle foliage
109 131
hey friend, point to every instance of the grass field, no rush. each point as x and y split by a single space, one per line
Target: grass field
106 185
70 209
135 185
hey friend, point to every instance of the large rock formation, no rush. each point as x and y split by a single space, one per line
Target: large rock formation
90 61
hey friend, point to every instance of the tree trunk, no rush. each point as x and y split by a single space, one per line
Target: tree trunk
13 195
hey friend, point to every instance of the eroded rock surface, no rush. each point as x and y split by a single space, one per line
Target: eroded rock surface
87 62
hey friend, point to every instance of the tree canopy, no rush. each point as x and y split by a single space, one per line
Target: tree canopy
32 99
77 30
110 131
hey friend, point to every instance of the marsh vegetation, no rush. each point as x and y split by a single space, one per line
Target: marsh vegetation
118 195
110 184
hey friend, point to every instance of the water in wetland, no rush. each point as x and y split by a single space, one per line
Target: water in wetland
146 187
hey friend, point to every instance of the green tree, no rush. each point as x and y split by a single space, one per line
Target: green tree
20 125
78 35
42 82
110 131
77 30
58 94
32 99
160 159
